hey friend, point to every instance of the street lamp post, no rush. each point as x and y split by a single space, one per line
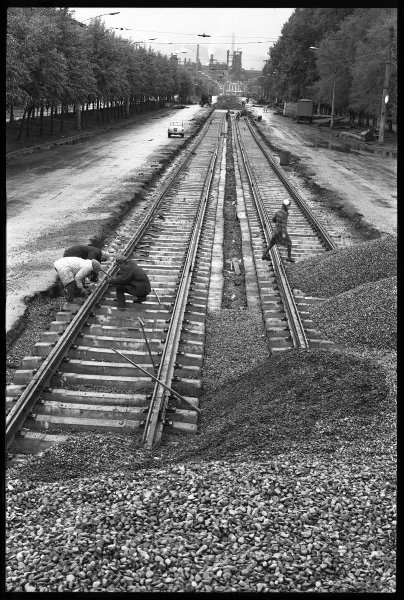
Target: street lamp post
333 100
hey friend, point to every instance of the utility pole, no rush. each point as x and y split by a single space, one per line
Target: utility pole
385 97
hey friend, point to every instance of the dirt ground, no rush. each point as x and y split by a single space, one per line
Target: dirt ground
62 196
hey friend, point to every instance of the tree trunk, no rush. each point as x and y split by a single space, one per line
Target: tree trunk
61 118
51 120
11 114
77 112
28 116
41 122
22 125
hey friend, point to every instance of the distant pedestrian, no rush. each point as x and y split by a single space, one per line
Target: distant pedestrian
131 279
87 252
280 235
228 115
72 271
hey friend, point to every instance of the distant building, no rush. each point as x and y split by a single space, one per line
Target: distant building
236 65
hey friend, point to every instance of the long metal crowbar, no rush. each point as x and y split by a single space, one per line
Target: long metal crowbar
147 344
158 381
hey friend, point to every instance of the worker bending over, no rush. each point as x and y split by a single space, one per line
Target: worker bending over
72 271
131 279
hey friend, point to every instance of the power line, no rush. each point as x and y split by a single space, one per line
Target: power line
196 34
216 43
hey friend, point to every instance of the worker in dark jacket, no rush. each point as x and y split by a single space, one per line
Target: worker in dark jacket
280 235
88 253
131 279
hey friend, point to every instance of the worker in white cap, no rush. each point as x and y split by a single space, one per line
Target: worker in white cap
88 252
280 235
72 271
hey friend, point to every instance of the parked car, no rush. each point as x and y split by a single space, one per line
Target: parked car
176 128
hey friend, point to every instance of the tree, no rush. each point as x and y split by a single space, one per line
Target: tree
291 57
371 54
72 41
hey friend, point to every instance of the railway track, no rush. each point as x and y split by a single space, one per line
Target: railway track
101 369
263 186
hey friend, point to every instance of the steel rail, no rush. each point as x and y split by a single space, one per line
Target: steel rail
156 415
296 327
321 232
49 367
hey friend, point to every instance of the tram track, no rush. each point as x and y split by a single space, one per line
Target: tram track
263 186
102 370
81 342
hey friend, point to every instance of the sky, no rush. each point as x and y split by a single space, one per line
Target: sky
176 30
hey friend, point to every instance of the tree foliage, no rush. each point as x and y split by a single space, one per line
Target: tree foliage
348 61
52 58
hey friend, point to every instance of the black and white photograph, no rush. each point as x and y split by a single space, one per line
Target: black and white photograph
200 299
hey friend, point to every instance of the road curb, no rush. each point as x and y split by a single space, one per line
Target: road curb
74 139
80 137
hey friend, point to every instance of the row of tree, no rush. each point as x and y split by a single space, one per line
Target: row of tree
53 62
341 53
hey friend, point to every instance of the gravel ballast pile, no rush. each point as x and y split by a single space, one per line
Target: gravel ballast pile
298 493
296 524
315 399
340 270
235 343
363 316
